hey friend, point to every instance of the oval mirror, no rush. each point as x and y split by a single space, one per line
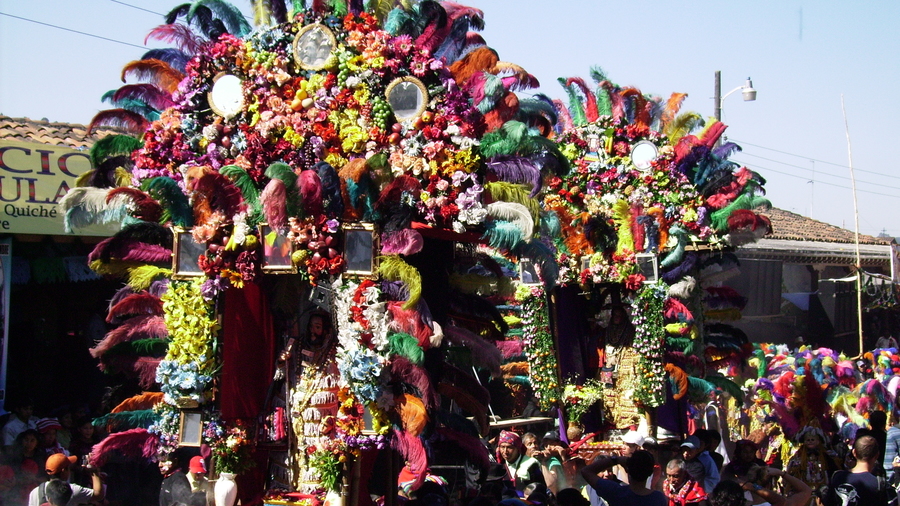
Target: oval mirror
313 45
642 154
227 95
407 97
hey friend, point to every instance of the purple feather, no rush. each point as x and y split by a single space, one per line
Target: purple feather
516 169
686 266
146 92
726 150
151 253
394 290
159 287
123 292
176 58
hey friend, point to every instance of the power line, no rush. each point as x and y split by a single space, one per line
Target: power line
808 158
73 31
814 172
829 184
138 8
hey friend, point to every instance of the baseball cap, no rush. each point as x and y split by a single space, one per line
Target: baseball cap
46 424
692 442
197 465
59 462
632 437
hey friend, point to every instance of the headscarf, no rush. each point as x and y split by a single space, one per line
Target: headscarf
510 438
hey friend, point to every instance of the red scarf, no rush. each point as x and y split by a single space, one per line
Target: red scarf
690 492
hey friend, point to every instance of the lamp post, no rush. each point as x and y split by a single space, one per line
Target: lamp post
747 91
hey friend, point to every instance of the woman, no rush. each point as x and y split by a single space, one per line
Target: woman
813 463
83 440
26 463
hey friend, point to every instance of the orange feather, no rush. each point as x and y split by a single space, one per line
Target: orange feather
481 59
413 415
681 379
158 72
145 400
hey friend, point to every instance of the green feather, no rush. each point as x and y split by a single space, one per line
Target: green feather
682 125
518 380
535 144
502 235
339 8
719 219
518 193
726 385
576 105
140 347
113 145
604 104
505 140
699 389
393 268
248 189
677 254
380 9
176 207
230 15
550 225
125 420
407 346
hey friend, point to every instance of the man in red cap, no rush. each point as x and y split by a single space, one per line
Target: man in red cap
197 476
59 466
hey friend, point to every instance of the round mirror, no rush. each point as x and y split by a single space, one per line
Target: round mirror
407 97
313 45
227 96
642 154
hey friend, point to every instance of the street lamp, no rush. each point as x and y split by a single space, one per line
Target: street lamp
746 90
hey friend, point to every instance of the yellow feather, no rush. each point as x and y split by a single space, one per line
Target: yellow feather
140 278
393 268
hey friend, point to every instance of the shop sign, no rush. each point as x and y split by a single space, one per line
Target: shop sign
33 178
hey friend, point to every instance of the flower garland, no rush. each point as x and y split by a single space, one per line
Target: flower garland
190 360
361 318
580 398
649 343
539 346
167 427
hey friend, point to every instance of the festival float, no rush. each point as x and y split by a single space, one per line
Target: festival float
343 233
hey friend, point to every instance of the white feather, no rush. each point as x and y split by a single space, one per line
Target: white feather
683 289
88 198
515 213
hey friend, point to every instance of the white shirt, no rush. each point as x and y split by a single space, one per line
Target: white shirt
80 495
14 427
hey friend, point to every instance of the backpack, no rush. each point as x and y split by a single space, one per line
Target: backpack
847 495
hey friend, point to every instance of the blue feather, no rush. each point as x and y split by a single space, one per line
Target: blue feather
449 49
550 225
332 199
502 235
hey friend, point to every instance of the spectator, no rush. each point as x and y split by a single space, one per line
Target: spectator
877 423
25 461
49 444
733 493
633 441
679 487
531 443
711 440
639 467
175 489
699 464
58 466
552 458
870 489
520 468
891 452
744 459
64 433
59 493
22 421
84 438
197 476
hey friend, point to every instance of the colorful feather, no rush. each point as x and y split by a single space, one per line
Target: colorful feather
128 420
310 192
405 345
113 145
680 378
402 242
413 415
138 327
230 15
467 403
135 304
139 204
413 452
157 72
134 444
274 204
176 207
147 93
121 118
484 354
178 34
145 400
411 374
393 268
516 169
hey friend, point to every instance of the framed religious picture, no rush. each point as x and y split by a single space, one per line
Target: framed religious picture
407 96
528 272
190 428
277 251
313 46
360 249
186 257
649 266
227 95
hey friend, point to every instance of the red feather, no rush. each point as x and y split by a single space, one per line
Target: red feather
639 105
410 322
149 253
729 192
122 118
310 192
484 353
146 92
784 384
407 372
143 207
219 193
674 307
475 39
134 444
158 72
178 34
590 108
145 368
129 249
136 304
412 450
713 133
505 110
274 201
458 378
433 36
138 327
400 184
564 118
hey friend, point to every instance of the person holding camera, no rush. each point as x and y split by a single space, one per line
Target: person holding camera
639 467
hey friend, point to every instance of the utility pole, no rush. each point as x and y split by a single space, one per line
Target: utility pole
718 96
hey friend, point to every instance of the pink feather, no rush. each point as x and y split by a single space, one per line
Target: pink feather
135 304
474 39
181 35
310 191
133 444
409 321
150 253
402 242
475 86
618 103
510 349
145 368
274 201
788 421
139 327
412 450
484 353
564 118
407 372
674 307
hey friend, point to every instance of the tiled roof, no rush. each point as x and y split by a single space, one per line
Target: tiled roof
68 135
790 226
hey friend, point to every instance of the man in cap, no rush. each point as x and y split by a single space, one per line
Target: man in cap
59 466
632 442
521 469
197 475
699 464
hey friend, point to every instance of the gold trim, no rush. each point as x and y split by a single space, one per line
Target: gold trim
212 103
303 31
289 268
370 228
408 79
198 420
178 233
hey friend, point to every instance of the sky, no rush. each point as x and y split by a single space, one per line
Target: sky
823 69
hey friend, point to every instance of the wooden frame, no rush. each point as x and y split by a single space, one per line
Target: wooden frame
186 254
528 272
397 94
229 110
309 45
361 249
277 251
190 428
648 263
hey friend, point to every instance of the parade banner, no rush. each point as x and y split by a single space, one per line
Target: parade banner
33 178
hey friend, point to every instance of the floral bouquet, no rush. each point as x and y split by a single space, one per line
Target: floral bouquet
230 445
580 398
